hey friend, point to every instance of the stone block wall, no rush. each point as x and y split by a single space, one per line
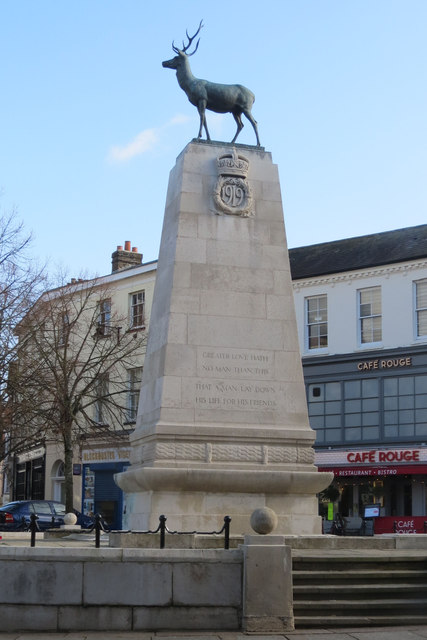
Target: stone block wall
119 589
107 589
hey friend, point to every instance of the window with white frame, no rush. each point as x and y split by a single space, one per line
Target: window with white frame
104 318
370 318
316 313
137 310
421 308
134 382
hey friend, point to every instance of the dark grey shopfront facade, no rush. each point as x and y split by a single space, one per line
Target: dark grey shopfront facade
369 411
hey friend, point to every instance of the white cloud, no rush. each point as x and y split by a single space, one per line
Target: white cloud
178 119
145 141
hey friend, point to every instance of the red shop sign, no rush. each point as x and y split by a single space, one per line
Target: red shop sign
396 470
401 524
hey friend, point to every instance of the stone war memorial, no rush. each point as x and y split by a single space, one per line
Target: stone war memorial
223 426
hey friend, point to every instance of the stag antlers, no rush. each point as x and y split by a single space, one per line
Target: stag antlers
190 40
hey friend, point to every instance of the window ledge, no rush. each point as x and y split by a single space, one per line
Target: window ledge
316 352
368 346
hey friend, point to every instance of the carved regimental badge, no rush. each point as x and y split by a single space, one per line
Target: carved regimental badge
232 194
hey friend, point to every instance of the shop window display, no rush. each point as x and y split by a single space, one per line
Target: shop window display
89 493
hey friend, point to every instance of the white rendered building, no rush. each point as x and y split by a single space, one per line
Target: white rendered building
361 307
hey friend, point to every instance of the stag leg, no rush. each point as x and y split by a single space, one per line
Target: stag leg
254 123
201 108
238 119
206 129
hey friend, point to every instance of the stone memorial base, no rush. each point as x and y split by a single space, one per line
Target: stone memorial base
219 493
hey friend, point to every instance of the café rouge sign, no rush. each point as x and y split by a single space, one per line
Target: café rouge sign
384 363
390 455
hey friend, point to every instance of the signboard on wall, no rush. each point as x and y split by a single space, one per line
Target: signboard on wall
371 456
400 524
119 454
30 455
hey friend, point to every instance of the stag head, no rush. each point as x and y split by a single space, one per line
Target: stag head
181 54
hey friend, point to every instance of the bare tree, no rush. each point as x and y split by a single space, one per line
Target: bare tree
21 282
74 356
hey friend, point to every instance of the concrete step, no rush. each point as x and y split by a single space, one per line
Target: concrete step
359 563
360 607
358 555
378 542
362 576
328 621
359 590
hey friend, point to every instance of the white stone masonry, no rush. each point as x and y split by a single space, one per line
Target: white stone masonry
223 426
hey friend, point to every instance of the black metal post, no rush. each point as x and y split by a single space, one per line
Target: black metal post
227 521
33 528
162 520
97 530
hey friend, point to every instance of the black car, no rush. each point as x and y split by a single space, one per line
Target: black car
15 516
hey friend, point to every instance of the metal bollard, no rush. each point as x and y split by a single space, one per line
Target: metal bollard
33 528
98 527
162 528
227 521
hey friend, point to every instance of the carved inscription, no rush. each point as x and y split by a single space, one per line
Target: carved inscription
235 363
235 379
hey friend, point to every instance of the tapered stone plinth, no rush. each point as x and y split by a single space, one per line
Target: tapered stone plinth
222 426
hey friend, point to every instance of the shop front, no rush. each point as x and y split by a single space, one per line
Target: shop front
392 478
100 492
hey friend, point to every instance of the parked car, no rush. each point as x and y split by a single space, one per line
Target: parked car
50 514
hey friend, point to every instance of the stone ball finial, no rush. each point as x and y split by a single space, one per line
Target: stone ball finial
264 520
70 518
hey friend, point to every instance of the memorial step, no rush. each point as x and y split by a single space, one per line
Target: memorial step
359 590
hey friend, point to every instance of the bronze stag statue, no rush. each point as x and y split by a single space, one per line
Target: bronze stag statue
221 98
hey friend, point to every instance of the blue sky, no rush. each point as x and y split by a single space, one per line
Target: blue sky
91 124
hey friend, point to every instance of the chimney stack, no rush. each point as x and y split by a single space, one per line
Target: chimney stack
126 258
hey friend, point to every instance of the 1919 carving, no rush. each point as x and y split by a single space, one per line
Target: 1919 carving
233 195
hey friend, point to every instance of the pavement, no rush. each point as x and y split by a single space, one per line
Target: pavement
359 633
